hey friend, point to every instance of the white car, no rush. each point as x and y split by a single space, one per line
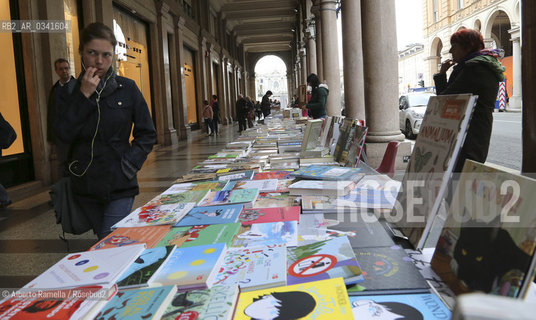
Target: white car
412 107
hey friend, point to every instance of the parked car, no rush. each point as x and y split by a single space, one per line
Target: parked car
411 111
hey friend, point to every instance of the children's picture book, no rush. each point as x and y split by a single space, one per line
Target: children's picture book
263 215
320 172
321 187
128 236
317 300
267 185
361 234
191 267
211 215
196 177
245 196
488 240
87 268
275 199
195 186
155 214
281 174
76 303
217 303
321 260
285 232
253 268
424 306
214 198
246 175
200 235
429 169
147 303
140 272
387 270
193 196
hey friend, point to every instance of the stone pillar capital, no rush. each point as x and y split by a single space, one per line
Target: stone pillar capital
515 33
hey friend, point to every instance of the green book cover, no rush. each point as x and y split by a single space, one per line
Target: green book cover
200 235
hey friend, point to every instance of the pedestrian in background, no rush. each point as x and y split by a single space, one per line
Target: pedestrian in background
208 116
477 71
319 97
97 121
216 111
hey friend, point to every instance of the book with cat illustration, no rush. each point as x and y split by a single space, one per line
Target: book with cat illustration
488 241
321 260
387 270
217 303
140 272
428 172
319 300
399 306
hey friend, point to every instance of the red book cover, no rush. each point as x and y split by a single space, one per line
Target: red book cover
264 215
127 236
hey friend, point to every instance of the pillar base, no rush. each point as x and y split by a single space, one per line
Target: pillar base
170 137
376 150
514 105
183 134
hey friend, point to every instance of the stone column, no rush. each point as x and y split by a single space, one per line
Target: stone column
224 99
311 49
352 52
515 98
181 82
303 65
380 61
318 37
330 55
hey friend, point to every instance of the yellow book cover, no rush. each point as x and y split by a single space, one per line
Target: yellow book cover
318 300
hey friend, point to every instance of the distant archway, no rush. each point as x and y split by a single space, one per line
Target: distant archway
497 30
271 74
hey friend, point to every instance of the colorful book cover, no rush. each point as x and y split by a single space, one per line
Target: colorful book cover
323 260
274 199
399 306
200 235
254 268
144 267
279 175
217 303
214 198
127 236
195 186
318 300
87 268
488 241
361 234
211 215
246 175
267 185
387 269
321 172
148 303
54 304
180 197
155 214
263 215
192 267
285 232
247 196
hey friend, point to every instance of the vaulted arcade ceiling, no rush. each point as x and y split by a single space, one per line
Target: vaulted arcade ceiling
261 25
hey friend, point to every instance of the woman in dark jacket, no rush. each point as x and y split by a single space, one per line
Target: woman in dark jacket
476 71
96 120
319 97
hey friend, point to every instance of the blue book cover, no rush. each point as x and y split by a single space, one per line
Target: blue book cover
322 172
211 215
254 268
244 196
246 175
190 267
399 306
323 260
149 303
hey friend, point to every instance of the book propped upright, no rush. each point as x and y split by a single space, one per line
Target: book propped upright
319 300
217 303
313 130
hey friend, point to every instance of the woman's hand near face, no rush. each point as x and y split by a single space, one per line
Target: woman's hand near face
89 82
445 66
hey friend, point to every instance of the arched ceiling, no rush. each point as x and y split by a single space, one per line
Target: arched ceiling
260 25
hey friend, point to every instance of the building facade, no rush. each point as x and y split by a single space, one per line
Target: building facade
411 68
497 20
